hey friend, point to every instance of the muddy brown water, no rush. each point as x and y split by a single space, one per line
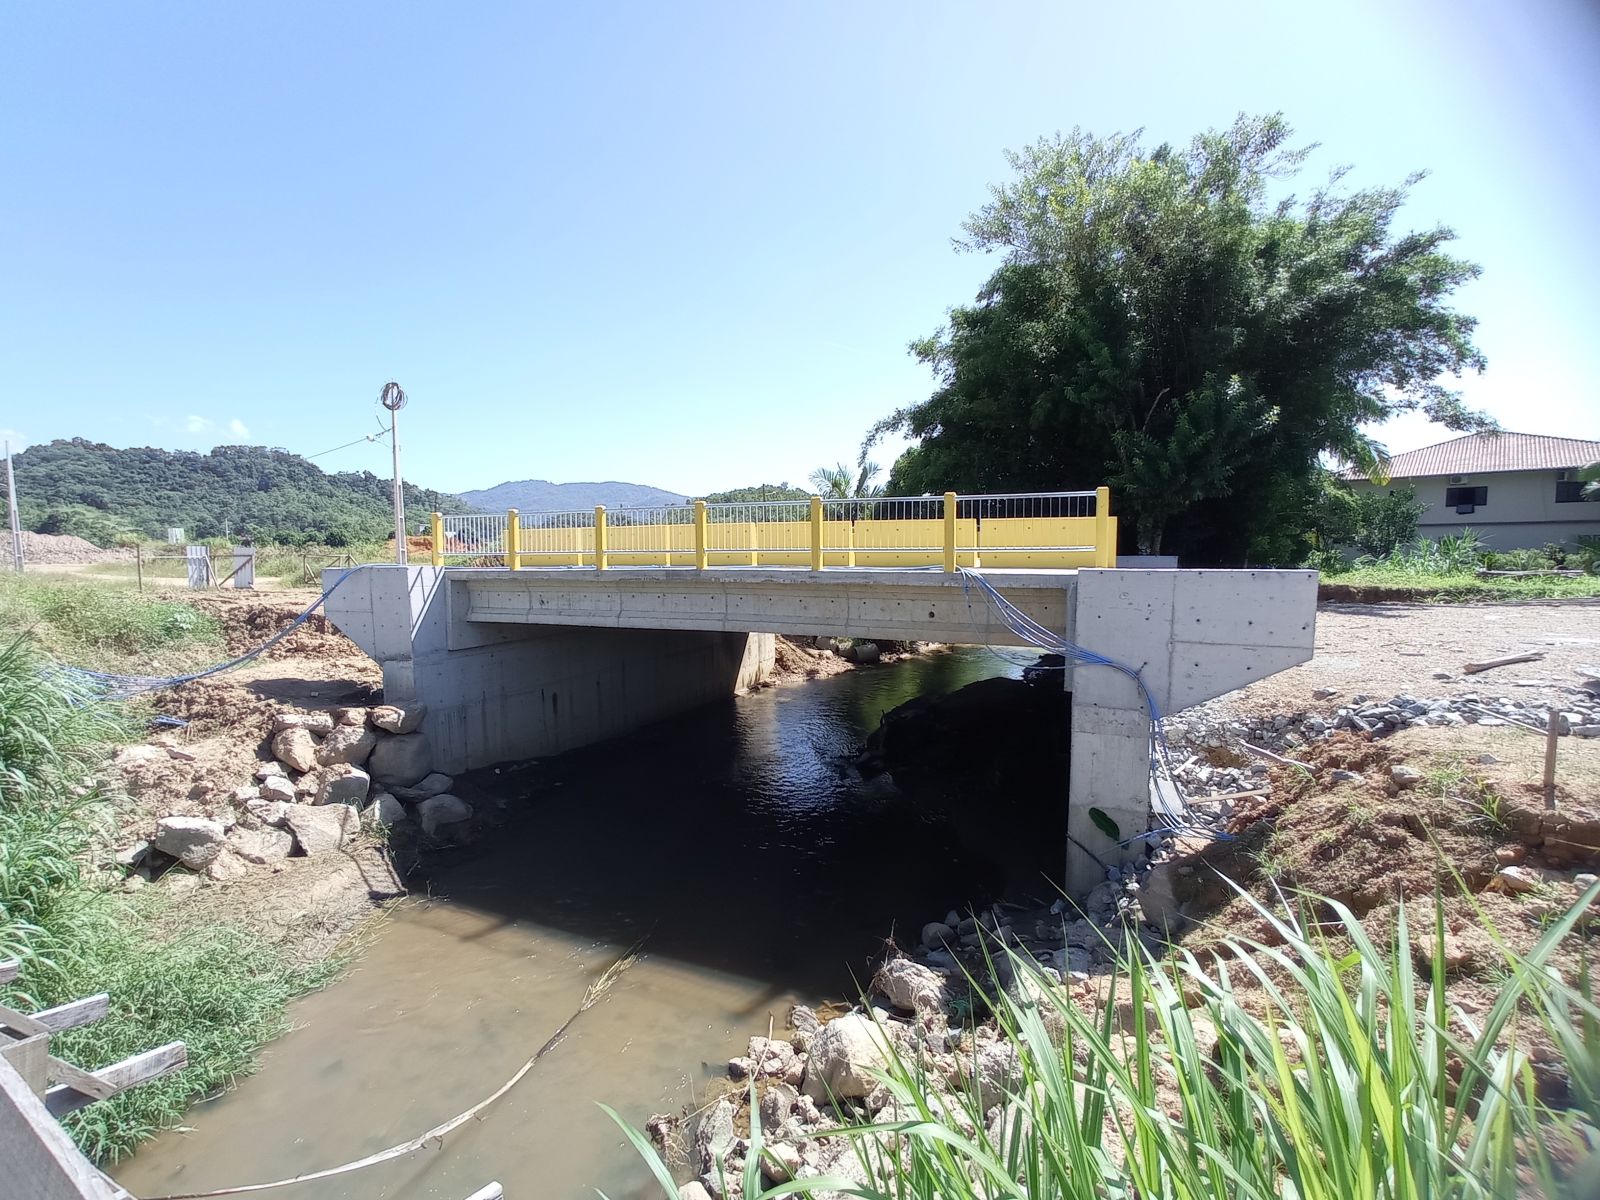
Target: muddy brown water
736 841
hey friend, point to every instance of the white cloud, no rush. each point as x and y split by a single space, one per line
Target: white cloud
194 424
239 429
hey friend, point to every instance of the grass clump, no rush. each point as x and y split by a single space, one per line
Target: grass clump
95 625
1455 587
1347 1076
219 991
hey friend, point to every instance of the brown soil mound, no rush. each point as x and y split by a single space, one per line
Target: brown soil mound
796 660
59 549
247 623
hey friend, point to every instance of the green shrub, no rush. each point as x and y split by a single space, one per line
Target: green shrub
89 621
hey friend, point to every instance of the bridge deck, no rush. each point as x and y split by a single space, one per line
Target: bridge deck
900 604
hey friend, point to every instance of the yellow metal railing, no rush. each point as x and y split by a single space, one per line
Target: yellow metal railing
1042 530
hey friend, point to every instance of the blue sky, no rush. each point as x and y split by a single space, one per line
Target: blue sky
684 244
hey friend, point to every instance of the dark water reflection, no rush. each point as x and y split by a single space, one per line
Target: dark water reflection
737 841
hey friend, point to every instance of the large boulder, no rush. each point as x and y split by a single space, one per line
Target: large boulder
347 744
713 1138
295 748
193 841
910 986
432 785
442 810
842 1053
385 811
262 846
343 784
393 718
402 760
320 829
318 723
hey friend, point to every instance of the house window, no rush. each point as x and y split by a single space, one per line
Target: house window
1569 491
1465 499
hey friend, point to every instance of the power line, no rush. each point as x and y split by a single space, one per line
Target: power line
371 437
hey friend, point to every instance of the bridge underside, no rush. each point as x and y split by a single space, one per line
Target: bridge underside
518 664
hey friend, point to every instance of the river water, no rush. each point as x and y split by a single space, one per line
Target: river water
736 841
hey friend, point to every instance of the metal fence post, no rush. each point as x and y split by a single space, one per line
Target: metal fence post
599 537
1105 554
513 536
700 559
950 533
436 536
816 533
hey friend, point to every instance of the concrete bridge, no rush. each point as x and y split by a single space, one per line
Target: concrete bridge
518 663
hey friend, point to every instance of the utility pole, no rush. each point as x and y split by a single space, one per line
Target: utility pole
16 521
393 398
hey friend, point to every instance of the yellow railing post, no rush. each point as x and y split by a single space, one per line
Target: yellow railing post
599 537
850 544
513 538
700 535
1105 554
755 544
816 533
436 538
950 533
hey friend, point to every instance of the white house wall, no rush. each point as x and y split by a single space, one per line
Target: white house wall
1521 509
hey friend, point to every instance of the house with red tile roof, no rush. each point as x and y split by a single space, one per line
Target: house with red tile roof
1512 489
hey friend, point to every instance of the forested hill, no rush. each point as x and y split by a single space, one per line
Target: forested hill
103 493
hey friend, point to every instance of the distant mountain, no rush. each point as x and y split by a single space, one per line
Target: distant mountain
540 495
106 494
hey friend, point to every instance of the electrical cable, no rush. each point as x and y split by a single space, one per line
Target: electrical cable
1030 632
123 687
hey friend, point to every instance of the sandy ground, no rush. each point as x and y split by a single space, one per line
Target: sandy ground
1384 649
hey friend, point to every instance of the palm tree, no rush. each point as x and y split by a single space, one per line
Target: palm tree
1591 474
837 483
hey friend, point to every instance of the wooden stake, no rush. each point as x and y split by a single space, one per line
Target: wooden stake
1552 731
1472 668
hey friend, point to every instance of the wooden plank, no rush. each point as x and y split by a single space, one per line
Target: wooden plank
75 1013
141 1068
20 1024
30 1058
79 1080
39 1160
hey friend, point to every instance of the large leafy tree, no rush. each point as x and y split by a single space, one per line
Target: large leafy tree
1162 324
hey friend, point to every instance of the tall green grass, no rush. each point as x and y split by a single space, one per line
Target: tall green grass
95 624
219 991
1352 1079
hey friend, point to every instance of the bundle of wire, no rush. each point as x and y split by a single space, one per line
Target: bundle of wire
1031 633
111 686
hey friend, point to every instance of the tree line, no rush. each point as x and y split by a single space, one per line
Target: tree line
109 495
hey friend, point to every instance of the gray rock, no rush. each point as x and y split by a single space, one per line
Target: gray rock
841 1053
936 933
910 986
350 716
321 829
434 785
393 718
713 1138
387 811
1586 731
1406 777
993 1068
318 723
693 1190
344 784
275 787
442 810
777 1102
774 1058
295 748
401 760
132 856
268 812
263 846
347 744
1324 693
227 867
193 841
1343 776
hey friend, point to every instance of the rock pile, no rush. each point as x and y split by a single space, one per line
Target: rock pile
323 775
